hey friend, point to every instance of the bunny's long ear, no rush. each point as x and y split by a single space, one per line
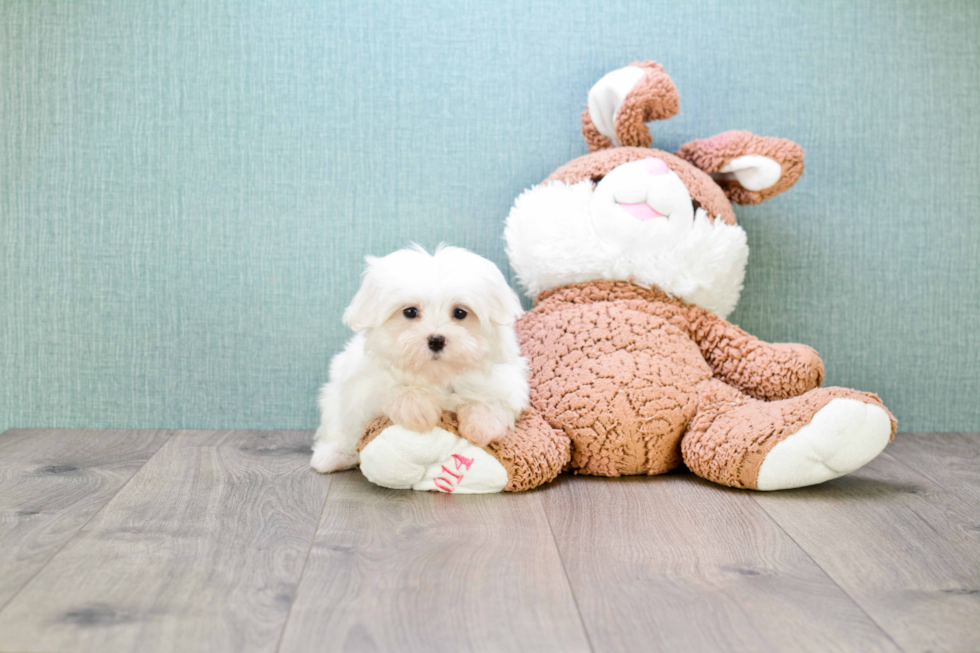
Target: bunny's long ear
621 103
749 168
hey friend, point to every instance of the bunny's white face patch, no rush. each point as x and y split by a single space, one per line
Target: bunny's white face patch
642 200
637 224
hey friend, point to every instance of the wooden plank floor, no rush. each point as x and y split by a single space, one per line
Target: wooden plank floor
225 541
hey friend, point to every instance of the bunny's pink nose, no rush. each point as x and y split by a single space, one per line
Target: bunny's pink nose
655 166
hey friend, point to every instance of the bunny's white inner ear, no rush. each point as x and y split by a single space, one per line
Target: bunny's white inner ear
752 172
606 96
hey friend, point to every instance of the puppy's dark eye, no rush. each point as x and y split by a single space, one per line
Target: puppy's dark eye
411 312
459 313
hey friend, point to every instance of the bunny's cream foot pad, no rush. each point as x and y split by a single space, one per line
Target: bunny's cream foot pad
437 460
843 436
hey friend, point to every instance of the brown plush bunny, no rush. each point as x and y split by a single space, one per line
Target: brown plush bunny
634 258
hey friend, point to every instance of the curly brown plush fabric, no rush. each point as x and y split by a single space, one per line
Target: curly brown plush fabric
598 374
653 98
711 155
629 374
760 369
532 452
703 189
595 140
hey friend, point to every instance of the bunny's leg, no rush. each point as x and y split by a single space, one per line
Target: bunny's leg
742 442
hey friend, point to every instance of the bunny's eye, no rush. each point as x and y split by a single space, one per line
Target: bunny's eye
411 312
459 313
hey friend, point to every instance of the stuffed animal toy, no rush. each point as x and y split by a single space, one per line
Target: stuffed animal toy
634 257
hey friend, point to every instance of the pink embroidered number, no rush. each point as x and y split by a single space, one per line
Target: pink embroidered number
458 477
443 484
452 482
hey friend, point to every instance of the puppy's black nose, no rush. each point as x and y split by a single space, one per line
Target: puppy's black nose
436 343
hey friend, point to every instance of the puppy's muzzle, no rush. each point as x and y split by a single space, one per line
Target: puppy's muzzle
436 343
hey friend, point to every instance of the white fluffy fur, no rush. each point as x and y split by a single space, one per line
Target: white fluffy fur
552 241
388 368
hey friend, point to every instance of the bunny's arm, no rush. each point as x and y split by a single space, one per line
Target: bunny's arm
759 369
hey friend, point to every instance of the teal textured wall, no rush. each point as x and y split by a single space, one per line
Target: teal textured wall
187 189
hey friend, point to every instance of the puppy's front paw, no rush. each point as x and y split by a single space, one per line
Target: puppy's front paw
331 457
416 410
482 424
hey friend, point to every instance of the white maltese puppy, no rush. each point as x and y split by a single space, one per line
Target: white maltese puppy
434 333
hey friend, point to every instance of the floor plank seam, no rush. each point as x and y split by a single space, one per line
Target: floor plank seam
306 561
564 572
831 578
95 514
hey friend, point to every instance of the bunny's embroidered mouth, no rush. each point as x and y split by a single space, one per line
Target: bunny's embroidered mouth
641 211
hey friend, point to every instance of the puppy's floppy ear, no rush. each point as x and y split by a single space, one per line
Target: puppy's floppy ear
368 309
502 306
749 168
506 305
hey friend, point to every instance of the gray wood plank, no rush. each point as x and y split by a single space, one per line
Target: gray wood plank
673 563
904 548
412 571
52 481
951 460
201 551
